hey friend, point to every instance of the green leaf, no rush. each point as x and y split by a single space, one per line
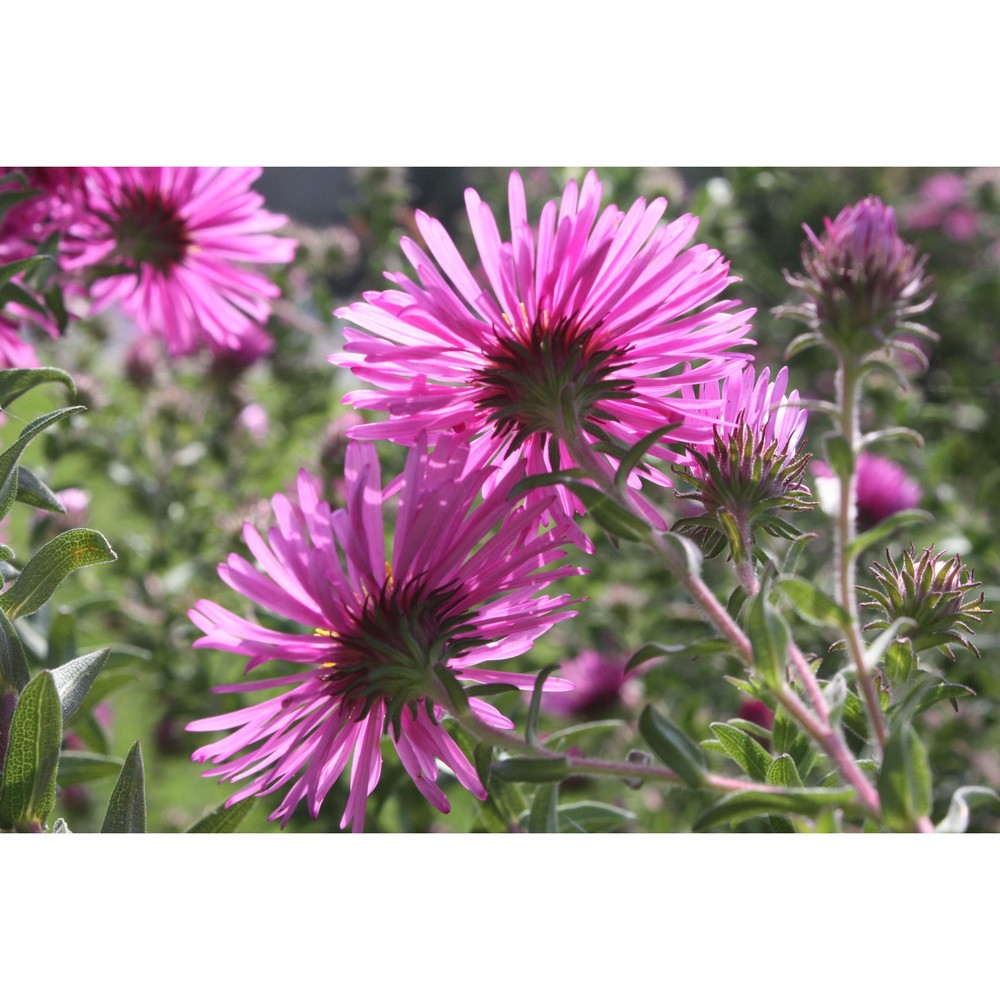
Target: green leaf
16 294
542 816
904 783
899 661
840 456
9 459
73 679
812 604
692 554
906 433
127 805
16 267
79 766
610 515
886 527
744 749
768 636
885 638
531 726
14 382
50 565
802 343
592 817
223 820
28 792
634 455
33 492
13 663
654 650
583 729
674 747
964 799
738 806
531 768
783 772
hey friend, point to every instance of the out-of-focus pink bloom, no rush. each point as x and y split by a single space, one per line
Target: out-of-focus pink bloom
597 681
461 588
943 205
185 235
76 503
585 329
253 418
883 488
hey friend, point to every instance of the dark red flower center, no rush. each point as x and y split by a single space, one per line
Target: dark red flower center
150 230
551 381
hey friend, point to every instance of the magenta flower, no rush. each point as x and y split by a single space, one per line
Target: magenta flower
586 331
184 235
597 681
462 588
862 281
883 488
943 205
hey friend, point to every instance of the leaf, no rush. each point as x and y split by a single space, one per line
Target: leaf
610 515
885 528
33 492
9 459
127 805
14 382
531 726
768 636
51 564
840 456
802 343
223 820
13 663
744 749
654 650
965 798
28 792
907 433
904 782
79 766
16 267
73 679
531 768
674 747
738 806
692 554
542 816
592 817
584 729
783 772
812 604
635 454
899 661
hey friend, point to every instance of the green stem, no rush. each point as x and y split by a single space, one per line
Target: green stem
848 404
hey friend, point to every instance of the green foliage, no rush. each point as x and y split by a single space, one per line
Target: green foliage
127 805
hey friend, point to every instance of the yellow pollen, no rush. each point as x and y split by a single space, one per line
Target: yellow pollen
329 633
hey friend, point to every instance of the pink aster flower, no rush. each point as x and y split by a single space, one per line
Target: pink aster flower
883 489
583 331
184 235
461 588
943 205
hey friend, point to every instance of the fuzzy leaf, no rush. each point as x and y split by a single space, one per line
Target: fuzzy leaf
16 267
10 458
13 663
73 679
28 792
769 636
738 806
783 772
50 565
904 782
744 749
542 816
531 768
223 820
583 729
33 492
654 650
812 604
592 817
673 746
840 456
127 805
14 382
964 799
885 528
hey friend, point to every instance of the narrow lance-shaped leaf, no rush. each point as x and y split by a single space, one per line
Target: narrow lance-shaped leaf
73 679
542 817
223 820
674 747
49 566
769 638
79 766
739 806
33 492
531 768
743 749
13 663
904 783
16 267
15 382
127 805
812 604
28 792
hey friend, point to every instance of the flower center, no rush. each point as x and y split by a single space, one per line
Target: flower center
395 642
149 230
550 381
